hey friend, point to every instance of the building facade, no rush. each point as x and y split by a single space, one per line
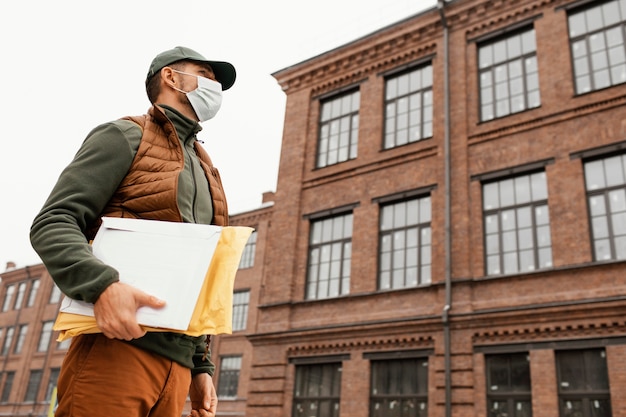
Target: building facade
30 355
449 229
232 354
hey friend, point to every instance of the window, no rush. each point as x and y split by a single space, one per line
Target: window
317 390
46 335
247 257
21 289
8 385
405 244
339 128
517 224
240 309
583 383
330 251
508 385
33 386
409 107
32 296
8 296
399 388
509 77
64 345
8 340
52 383
605 180
55 295
230 366
21 338
596 36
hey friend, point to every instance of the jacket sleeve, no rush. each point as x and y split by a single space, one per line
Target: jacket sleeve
202 358
82 191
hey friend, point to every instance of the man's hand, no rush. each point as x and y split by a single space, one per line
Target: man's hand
116 310
203 396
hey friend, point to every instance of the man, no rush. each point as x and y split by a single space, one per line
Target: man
149 167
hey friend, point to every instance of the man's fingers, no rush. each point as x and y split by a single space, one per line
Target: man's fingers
148 300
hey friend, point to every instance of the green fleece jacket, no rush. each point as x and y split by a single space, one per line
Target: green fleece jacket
81 193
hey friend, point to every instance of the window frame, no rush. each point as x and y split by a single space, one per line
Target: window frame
588 394
402 363
303 381
45 336
9 293
421 226
499 211
511 397
33 385
33 292
8 341
524 77
229 377
586 56
326 139
603 192
7 386
240 310
22 334
423 92
316 261
247 256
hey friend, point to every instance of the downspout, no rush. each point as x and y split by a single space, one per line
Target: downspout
447 213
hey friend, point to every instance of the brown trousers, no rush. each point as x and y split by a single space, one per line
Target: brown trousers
103 377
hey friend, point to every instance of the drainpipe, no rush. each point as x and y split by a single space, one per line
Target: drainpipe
447 213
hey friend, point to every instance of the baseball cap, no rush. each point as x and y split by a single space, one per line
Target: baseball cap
224 71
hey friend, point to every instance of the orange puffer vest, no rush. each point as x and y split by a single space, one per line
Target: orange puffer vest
149 190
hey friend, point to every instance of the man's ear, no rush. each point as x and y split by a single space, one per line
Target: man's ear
168 76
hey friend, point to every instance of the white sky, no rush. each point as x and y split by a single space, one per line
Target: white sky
68 65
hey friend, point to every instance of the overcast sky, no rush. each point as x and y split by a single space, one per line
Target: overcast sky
68 65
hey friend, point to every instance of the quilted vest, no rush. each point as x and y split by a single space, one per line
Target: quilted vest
149 189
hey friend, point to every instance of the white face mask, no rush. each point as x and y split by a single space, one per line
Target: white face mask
206 99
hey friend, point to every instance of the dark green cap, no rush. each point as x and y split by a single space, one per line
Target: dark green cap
224 71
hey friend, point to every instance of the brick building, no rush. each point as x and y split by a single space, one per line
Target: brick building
29 354
448 232
449 227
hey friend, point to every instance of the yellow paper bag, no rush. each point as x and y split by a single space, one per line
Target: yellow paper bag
214 307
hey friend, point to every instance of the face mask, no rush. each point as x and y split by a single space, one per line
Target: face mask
206 99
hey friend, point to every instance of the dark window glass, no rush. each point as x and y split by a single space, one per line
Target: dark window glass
8 386
317 390
508 385
52 383
33 386
583 383
399 387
